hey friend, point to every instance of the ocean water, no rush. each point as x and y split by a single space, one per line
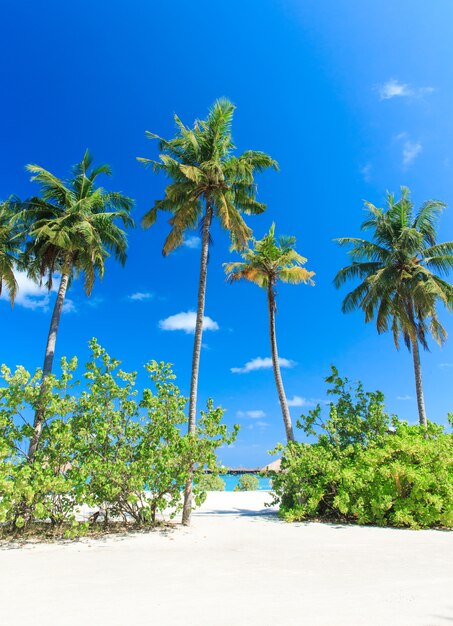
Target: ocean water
231 480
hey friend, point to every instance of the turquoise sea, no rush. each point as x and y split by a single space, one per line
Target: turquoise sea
231 480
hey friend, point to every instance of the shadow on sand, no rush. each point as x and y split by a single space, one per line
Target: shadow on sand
233 511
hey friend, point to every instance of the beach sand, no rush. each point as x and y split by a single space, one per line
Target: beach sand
237 565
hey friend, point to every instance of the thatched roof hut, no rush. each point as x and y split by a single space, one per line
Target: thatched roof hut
272 467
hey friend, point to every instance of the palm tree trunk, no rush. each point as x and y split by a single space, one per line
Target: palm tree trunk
47 367
276 364
187 508
418 383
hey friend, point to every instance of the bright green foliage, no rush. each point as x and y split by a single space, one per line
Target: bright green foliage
269 260
210 434
402 271
131 452
247 482
10 242
266 262
366 466
357 417
202 167
72 227
128 448
119 451
211 482
48 487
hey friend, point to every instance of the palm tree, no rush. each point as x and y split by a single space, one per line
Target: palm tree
401 272
10 241
71 231
207 181
266 262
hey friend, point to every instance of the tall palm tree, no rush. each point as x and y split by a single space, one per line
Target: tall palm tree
266 262
401 275
71 231
207 181
11 238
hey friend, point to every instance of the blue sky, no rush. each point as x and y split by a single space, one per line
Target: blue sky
352 98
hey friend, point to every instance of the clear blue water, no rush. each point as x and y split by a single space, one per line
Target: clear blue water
231 480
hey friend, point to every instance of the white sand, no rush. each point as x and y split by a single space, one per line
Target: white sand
234 568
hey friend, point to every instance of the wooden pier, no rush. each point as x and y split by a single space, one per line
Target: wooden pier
236 471
243 470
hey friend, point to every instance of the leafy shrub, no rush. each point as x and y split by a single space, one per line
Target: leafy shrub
47 488
122 453
211 482
130 450
366 466
247 482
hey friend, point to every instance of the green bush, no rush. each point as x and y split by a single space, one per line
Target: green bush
247 482
366 466
211 482
48 488
121 452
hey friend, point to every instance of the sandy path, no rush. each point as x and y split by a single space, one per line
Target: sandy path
234 569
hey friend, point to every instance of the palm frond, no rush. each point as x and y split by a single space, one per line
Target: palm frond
397 268
269 260
356 270
174 239
296 275
72 226
200 163
426 219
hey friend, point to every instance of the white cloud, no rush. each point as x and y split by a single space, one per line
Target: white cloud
32 296
29 294
69 306
261 364
299 401
446 365
260 425
95 302
365 170
186 322
411 150
405 397
395 89
140 296
256 414
192 242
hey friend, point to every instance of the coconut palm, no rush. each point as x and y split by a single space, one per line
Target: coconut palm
207 181
10 241
402 272
71 232
265 263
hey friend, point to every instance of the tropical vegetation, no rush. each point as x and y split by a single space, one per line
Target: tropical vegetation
113 448
265 263
366 466
10 247
403 276
95 441
211 482
207 180
247 482
70 230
